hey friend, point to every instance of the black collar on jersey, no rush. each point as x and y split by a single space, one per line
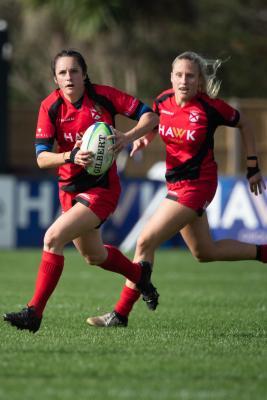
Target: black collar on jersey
102 100
77 104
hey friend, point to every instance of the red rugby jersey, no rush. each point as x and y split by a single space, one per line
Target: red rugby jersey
67 124
188 132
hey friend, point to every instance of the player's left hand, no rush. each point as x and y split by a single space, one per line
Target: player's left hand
120 141
257 184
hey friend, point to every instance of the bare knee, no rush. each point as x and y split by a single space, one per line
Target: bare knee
145 244
202 255
52 239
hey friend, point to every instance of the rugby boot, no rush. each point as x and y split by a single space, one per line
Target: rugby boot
24 319
109 320
145 286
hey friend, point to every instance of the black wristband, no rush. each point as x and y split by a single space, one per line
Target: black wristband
255 158
251 171
73 154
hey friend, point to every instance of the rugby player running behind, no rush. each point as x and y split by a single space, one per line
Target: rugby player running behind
189 114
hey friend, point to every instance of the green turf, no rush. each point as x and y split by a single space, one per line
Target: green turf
207 340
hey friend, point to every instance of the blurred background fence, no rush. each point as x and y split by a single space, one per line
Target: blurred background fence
29 204
228 145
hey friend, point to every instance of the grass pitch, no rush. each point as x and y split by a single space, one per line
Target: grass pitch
207 339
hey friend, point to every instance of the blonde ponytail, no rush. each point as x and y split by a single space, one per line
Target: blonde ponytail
209 84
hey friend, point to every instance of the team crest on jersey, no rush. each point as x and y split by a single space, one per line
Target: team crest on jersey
194 116
96 113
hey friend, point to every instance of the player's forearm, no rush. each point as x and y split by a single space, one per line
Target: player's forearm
48 159
248 136
145 125
151 135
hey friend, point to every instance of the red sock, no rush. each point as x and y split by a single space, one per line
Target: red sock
117 262
262 253
50 269
126 302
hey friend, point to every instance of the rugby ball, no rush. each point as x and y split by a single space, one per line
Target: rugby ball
96 139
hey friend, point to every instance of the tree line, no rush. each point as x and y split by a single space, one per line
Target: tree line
131 44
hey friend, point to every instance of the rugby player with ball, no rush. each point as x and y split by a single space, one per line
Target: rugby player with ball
89 186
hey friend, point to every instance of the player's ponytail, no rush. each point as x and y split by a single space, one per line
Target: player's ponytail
90 89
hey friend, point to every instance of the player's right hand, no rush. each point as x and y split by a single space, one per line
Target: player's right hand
139 144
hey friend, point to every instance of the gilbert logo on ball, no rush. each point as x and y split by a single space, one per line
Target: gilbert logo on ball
96 139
